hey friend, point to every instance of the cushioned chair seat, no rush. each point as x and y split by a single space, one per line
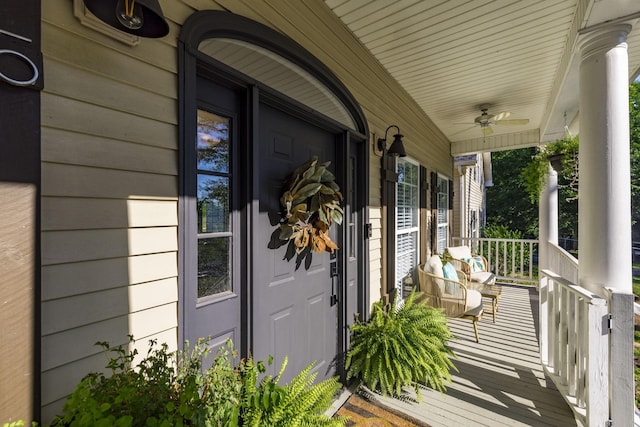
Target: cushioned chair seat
474 303
484 277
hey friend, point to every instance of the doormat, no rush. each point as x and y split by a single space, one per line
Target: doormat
366 413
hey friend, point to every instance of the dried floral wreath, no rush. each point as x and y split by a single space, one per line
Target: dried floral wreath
311 202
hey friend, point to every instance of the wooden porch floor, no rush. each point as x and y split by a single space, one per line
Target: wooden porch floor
500 380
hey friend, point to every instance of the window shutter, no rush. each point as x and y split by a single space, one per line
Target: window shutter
424 185
434 190
451 194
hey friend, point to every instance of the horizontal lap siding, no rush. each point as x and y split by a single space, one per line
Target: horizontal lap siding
109 196
110 164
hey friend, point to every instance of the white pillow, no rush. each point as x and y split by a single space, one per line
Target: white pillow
434 266
459 252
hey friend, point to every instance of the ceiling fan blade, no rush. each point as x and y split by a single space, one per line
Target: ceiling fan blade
486 130
512 122
501 116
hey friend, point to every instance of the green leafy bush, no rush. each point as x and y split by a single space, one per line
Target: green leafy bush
406 345
19 423
299 403
171 389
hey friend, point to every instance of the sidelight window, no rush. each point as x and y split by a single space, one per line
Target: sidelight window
213 195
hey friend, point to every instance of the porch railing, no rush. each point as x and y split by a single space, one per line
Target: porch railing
563 263
585 344
584 337
513 260
574 346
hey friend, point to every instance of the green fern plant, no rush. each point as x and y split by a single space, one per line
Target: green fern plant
406 345
299 403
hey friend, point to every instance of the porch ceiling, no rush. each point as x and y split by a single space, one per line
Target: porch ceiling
518 56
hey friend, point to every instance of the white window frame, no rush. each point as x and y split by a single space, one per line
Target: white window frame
407 257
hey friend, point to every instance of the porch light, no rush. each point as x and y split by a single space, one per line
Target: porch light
142 18
396 149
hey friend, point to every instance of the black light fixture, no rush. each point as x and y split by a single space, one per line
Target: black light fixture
142 18
396 149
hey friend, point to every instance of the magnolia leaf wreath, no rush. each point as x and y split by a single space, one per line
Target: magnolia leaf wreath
311 204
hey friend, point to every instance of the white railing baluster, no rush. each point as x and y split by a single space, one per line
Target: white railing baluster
580 368
573 328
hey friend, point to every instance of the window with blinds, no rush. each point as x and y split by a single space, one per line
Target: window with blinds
443 213
407 219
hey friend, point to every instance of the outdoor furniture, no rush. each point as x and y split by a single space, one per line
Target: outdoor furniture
450 294
492 292
475 267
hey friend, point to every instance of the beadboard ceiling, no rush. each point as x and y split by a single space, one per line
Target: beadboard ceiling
452 56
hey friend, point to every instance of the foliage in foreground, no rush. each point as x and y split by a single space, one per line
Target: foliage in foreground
170 389
406 345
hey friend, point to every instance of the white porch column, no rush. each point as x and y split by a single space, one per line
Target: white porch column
548 216
604 205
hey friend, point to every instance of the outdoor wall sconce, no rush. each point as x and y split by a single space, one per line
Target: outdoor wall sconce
396 149
142 18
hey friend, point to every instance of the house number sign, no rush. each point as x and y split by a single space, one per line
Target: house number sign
24 58
34 67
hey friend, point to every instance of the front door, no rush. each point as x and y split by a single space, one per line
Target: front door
292 309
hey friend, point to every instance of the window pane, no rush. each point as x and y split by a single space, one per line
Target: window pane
213 142
407 214
406 255
214 259
213 204
407 220
443 231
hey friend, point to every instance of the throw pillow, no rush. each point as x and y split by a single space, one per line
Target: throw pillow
449 272
477 264
434 266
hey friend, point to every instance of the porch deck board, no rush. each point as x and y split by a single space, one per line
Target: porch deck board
500 380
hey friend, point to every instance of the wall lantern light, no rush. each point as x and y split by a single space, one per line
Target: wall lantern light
142 18
396 149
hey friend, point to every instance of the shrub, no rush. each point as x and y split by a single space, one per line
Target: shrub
171 389
406 345
300 403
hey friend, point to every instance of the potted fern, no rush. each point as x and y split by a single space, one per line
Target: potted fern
403 346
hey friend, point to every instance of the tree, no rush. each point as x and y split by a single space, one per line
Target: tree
507 202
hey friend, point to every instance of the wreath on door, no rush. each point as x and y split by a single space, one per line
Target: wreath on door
311 203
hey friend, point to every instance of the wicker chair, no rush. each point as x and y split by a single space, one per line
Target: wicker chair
460 256
452 296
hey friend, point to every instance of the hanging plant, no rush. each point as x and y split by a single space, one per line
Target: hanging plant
563 154
311 203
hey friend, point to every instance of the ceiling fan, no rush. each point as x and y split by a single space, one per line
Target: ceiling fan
486 120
